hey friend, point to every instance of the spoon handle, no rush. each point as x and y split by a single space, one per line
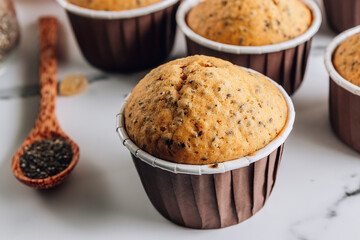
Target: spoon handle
47 70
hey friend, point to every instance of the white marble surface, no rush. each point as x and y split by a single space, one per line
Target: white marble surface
317 195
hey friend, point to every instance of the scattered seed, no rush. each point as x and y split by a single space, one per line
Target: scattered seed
241 41
212 106
209 74
215 165
181 145
169 142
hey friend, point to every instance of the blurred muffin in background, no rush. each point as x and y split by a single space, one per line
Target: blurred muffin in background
347 59
342 15
250 22
113 5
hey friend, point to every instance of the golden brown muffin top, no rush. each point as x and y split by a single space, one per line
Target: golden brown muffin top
113 5
347 59
204 110
250 22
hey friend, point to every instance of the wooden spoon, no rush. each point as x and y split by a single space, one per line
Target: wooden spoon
46 125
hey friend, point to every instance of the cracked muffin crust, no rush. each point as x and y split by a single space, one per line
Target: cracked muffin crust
113 5
347 59
204 110
250 22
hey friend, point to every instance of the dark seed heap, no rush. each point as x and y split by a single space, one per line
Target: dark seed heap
46 158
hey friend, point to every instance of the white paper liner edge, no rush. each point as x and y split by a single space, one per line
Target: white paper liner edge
336 77
116 14
188 4
207 169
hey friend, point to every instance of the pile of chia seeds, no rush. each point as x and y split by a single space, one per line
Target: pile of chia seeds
9 30
46 158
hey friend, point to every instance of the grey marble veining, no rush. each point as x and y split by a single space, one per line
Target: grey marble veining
34 89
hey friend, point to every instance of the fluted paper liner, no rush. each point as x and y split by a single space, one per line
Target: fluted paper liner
210 200
342 15
208 196
283 62
344 98
124 41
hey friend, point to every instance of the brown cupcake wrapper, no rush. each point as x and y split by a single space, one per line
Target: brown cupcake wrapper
345 115
126 44
210 201
342 15
286 67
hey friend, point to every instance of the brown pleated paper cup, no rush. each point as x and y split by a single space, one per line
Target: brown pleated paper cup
124 41
344 98
284 62
209 196
342 15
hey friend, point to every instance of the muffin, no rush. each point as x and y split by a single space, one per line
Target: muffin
111 5
190 110
342 15
123 39
342 58
271 37
206 138
347 59
250 22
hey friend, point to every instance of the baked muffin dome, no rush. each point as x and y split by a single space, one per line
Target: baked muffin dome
347 59
113 5
250 22
204 110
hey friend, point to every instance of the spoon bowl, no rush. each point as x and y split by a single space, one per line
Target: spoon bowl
47 125
50 181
